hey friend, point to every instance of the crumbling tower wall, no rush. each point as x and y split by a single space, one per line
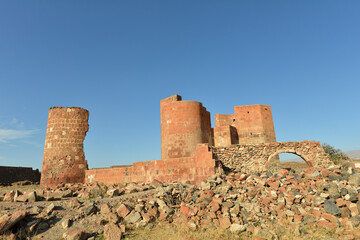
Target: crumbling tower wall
184 124
64 158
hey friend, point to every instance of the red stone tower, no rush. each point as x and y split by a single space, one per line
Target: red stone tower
251 124
64 158
184 124
254 124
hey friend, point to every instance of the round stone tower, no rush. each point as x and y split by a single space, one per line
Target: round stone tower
184 124
64 158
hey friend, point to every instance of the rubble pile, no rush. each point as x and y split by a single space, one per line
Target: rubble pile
261 206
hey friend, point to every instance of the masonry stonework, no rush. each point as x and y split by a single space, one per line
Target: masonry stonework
191 151
254 158
251 124
64 158
184 124
10 175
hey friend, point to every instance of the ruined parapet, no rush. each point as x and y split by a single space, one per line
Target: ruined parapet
184 124
64 158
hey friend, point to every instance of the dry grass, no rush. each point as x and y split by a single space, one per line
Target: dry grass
281 232
25 188
179 232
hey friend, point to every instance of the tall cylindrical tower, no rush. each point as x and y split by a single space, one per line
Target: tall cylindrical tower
184 124
64 158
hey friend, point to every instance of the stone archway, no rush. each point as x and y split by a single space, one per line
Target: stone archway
256 158
297 153
273 164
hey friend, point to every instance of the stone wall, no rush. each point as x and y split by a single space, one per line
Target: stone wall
255 158
186 169
64 158
10 175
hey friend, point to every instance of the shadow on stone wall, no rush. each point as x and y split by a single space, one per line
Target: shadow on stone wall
10 175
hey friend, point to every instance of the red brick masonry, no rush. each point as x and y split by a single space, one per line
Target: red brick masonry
191 150
64 159
186 169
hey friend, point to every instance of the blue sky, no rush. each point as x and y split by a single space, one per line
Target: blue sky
118 59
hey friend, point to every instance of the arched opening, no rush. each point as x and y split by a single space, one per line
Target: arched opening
292 161
288 159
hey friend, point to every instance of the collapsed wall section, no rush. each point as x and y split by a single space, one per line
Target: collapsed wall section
64 158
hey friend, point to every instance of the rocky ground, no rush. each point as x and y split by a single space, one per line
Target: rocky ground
320 204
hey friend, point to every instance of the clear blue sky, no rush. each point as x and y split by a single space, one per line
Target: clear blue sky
118 59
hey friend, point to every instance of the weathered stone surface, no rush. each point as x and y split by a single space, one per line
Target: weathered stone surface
88 209
112 232
9 196
237 228
331 208
66 223
355 179
75 234
257 158
32 197
8 222
123 210
133 217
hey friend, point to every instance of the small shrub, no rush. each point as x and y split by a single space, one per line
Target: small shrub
336 155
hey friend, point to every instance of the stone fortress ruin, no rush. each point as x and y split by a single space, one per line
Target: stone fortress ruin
191 151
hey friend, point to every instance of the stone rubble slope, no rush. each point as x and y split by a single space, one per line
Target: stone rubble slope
246 205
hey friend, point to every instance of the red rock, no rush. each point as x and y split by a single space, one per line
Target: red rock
147 217
328 217
326 224
185 210
340 202
152 212
9 196
112 232
224 222
215 206
274 185
325 172
298 218
123 210
283 172
316 212
10 221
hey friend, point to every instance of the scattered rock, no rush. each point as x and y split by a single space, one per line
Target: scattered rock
331 208
75 234
237 228
133 217
112 232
